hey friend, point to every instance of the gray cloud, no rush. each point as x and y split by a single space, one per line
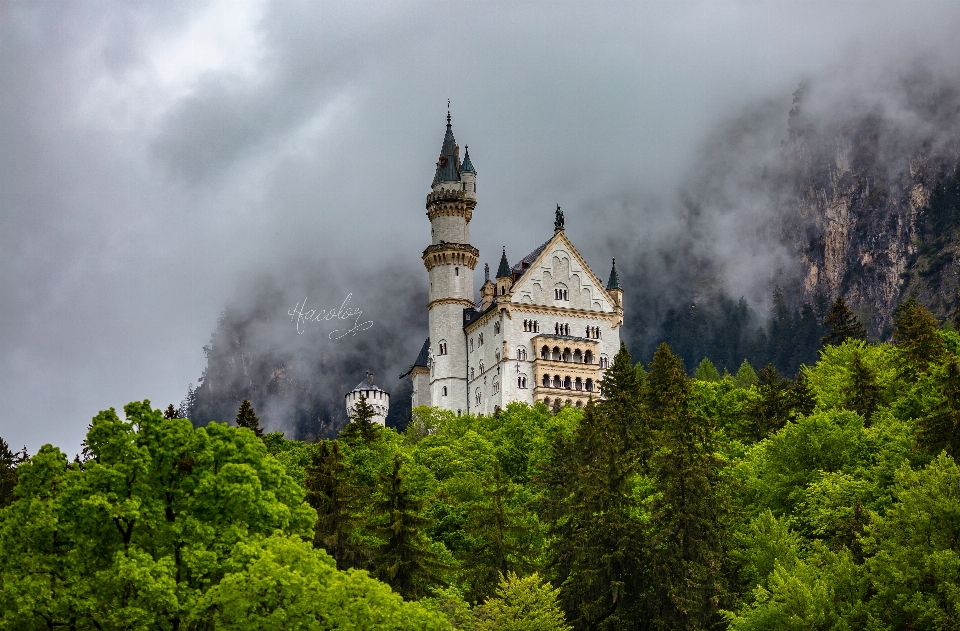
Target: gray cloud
158 156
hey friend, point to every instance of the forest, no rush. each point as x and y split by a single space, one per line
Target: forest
723 501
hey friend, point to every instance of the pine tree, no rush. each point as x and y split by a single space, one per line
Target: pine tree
746 376
405 560
801 398
864 396
940 429
917 334
706 371
9 461
688 544
331 494
171 412
622 406
361 425
843 324
773 408
246 417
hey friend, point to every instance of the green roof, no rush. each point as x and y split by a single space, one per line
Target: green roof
467 166
448 167
614 282
504 269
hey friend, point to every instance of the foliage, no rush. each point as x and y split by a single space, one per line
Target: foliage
843 324
522 604
246 417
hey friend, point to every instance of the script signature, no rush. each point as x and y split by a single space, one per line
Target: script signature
302 316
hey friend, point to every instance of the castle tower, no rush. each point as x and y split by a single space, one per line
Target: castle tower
376 398
450 261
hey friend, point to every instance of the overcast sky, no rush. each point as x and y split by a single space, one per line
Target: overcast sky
155 157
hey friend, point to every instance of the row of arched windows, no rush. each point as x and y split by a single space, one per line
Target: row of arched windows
561 329
521 382
531 326
593 332
521 354
560 294
567 383
576 356
547 401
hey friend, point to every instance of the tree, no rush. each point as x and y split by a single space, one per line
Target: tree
939 429
772 409
917 335
405 559
246 417
331 494
706 371
843 324
864 396
171 412
361 426
745 376
9 461
522 604
688 544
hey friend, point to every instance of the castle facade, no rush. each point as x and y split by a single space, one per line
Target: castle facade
544 330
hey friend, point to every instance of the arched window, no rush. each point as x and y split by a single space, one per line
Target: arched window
566 355
471 344
556 354
477 396
598 333
503 290
536 326
578 384
496 328
577 357
557 382
481 367
444 391
521 354
471 374
456 271
496 387
442 348
588 357
497 355
567 382
480 340
546 381
521 382
589 385
544 353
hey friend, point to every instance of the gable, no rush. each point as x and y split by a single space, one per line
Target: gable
560 267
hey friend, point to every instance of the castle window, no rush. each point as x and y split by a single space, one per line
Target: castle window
478 396
546 381
480 340
544 353
589 385
578 384
442 348
496 328
557 383
497 355
536 326
481 367
471 344
588 357
471 374
456 271
496 387
556 354
566 355
577 357
444 391
604 362
521 354
521 382
567 382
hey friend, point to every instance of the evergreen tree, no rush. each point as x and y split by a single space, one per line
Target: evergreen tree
801 398
622 406
772 409
9 461
917 334
361 425
171 412
405 559
745 376
688 544
706 371
843 324
246 417
864 396
522 604
336 501
939 430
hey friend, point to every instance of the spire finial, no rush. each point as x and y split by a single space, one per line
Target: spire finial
558 220
448 112
486 272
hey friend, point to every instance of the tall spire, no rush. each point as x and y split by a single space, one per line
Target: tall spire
448 166
467 166
614 282
504 269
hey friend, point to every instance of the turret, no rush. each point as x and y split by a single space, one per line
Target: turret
504 278
613 287
468 176
376 398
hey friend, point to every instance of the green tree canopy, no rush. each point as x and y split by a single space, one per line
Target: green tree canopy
246 417
843 324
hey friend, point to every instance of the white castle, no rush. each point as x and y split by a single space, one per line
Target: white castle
376 398
544 330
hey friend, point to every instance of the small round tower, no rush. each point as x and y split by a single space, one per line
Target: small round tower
376 397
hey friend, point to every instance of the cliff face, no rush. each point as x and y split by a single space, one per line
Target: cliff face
862 224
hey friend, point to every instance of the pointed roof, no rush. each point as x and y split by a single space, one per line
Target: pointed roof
448 166
504 269
421 358
614 282
467 166
367 385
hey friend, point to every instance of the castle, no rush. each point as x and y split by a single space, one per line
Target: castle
544 330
